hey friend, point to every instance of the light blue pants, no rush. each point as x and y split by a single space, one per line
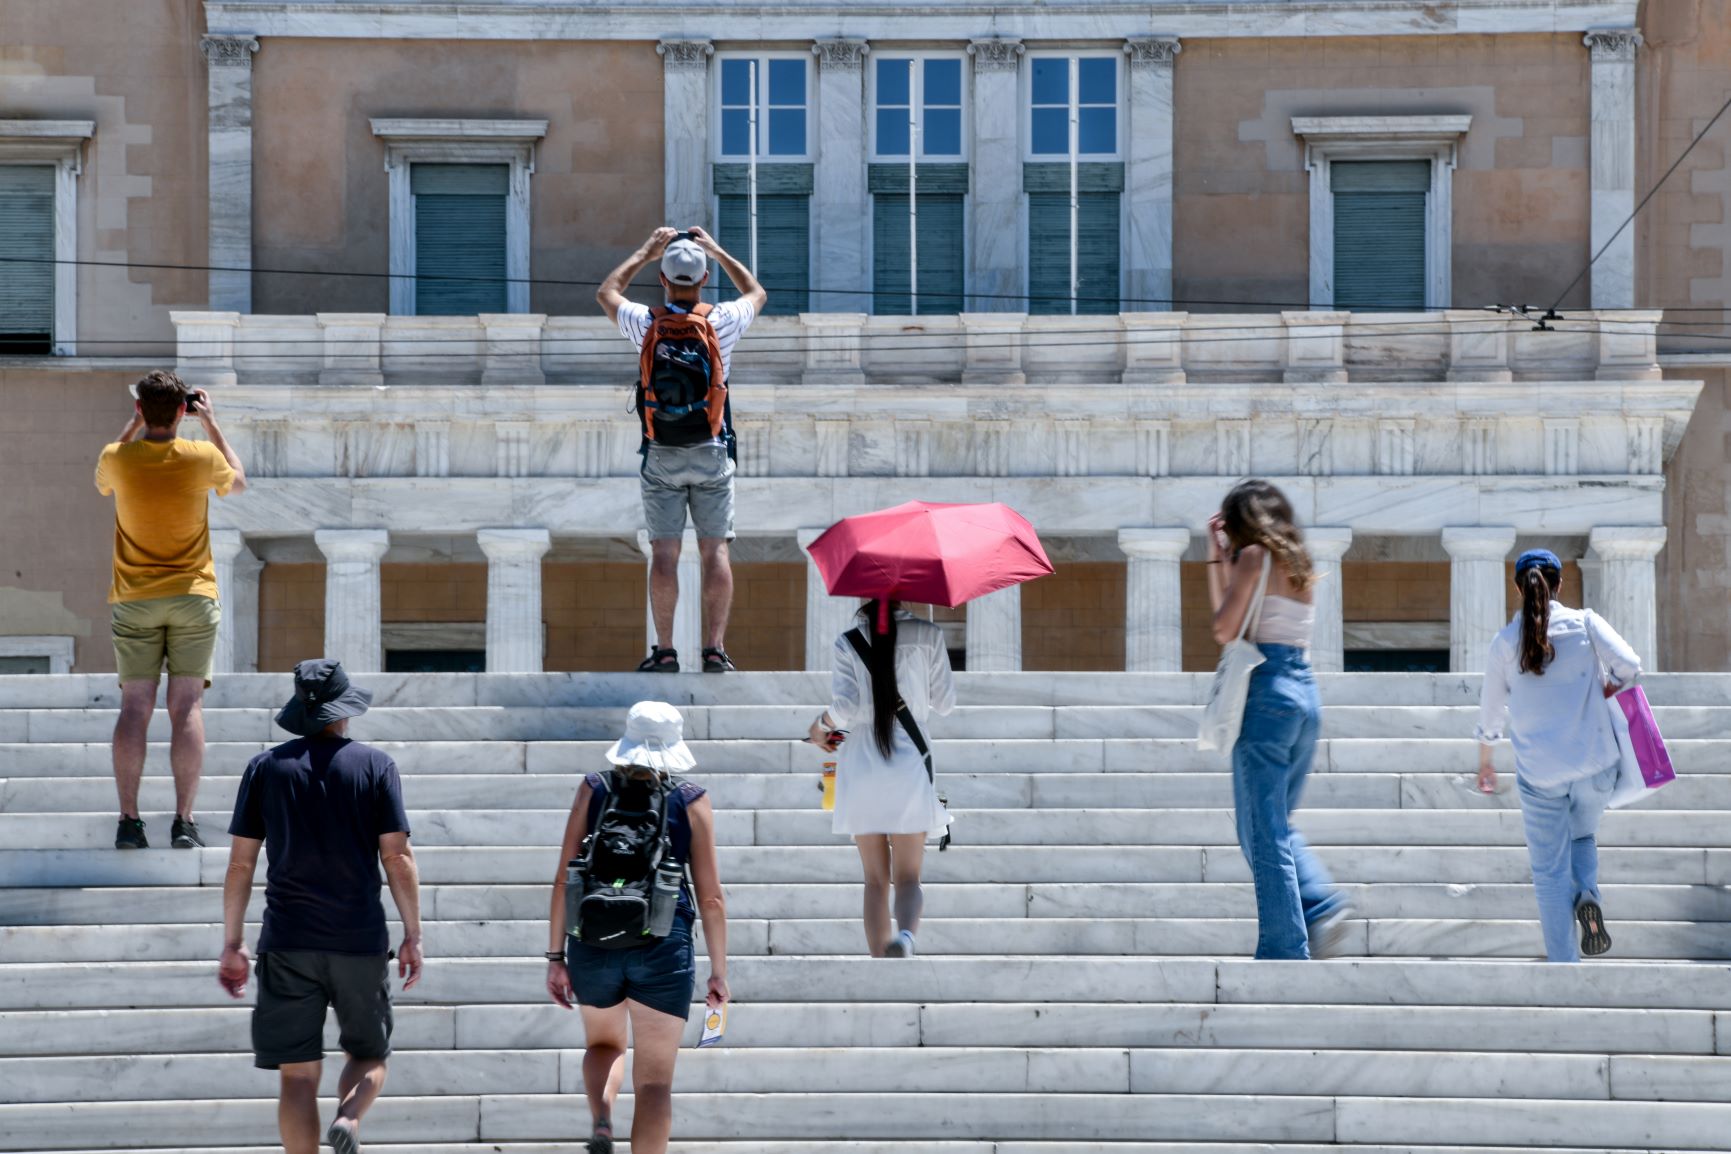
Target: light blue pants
1269 765
1562 823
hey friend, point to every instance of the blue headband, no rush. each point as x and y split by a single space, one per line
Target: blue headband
1537 559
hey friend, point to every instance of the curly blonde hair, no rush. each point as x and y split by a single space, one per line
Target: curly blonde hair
1257 513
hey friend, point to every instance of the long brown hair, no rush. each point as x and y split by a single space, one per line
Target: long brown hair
1538 585
1257 513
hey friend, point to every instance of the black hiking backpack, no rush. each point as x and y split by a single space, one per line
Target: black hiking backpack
622 890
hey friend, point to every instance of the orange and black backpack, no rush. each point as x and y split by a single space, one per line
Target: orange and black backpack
681 392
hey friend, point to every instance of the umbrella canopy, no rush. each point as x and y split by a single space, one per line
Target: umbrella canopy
929 553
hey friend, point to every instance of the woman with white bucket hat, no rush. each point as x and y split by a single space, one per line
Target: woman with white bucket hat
621 948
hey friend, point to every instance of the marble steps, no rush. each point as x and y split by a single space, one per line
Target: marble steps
799 865
916 1146
1091 1117
483 723
1230 932
161 906
270 690
539 1025
817 979
1483 826
958 1070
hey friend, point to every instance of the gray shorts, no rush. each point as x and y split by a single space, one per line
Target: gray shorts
699 478
296 987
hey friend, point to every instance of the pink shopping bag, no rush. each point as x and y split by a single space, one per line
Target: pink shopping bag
1645 765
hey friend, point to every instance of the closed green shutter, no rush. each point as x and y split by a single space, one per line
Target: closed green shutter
459 238
1099 242
783 247
941 195
27 233
1379 233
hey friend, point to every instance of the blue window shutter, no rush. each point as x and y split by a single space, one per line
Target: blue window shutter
1379 233
459 238
783 246
27 231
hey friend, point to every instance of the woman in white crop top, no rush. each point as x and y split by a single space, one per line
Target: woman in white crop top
1259 570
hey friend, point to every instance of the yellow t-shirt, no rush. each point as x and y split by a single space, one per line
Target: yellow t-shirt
161 522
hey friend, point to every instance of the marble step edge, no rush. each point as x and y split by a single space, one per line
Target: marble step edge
914 1146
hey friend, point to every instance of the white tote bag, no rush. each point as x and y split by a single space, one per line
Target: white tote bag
1224 714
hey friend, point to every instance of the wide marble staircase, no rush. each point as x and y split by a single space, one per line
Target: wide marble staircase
1084 983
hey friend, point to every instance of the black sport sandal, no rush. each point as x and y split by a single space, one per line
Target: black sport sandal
716 660
660 661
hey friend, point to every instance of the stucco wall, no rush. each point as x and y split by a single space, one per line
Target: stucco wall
136 70
321 191
1242 195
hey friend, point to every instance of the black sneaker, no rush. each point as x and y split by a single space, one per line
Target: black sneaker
1595 938
129 834
660 661
184 834
717 661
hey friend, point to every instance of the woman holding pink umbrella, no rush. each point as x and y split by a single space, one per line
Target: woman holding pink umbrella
892 670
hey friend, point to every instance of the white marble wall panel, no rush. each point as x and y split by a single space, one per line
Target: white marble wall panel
229 120
995 209
1562 443
1602 445
1478 447
472 449
841 208
1394 448
1148 175
1232 450
1436 446
432 448
871 448
994 631
913 448
1315 448
685 130
1612 159
1274 445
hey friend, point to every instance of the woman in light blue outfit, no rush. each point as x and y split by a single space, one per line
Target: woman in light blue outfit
1259 568
1548 673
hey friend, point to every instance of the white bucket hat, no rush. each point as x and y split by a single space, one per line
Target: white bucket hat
654 737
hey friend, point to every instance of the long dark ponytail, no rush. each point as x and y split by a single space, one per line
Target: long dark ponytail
881 664
1538 585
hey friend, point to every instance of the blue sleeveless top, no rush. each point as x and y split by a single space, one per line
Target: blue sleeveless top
679 798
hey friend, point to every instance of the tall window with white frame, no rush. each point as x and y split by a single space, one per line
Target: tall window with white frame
27 235
1379 233
459 237
763 174
1074 180
918 179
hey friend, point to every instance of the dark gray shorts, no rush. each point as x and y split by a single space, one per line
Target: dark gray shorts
698 478
295 987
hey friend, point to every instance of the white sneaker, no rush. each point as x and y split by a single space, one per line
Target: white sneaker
900 946
1328 934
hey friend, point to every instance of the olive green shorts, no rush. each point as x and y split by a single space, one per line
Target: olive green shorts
180 630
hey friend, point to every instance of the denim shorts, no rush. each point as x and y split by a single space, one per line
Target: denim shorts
662 976
698 478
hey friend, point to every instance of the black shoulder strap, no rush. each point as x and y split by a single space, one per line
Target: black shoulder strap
856 638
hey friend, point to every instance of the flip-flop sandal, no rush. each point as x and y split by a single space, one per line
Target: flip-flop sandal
660 661
1595 939
342 1140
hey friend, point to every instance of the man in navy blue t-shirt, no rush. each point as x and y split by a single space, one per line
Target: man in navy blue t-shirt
329 810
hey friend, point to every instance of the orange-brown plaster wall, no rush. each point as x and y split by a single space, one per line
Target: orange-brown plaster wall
595 614
767 626
1074 619
291 615
1695 566
320 189
1241 213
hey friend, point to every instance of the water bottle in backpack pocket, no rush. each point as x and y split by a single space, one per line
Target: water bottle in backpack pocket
622 890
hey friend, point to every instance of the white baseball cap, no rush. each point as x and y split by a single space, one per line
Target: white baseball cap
683 263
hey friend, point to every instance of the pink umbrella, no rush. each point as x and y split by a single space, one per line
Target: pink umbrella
935 554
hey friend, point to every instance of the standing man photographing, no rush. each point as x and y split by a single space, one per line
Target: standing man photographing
164 594
686 351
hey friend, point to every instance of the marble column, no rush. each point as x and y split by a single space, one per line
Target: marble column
1148 179
995 210
688 615
825 616
686 102
229 58
515 632
841 207
352 603
1613 163
237 571
1153 604
1628 584
1478 593
994 631
1328 641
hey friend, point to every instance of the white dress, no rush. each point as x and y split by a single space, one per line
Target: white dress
893 795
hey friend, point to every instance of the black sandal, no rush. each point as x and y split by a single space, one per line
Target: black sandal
716 660
660 661
1595 939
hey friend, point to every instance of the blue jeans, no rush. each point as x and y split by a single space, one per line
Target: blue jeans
1269 765
1562 823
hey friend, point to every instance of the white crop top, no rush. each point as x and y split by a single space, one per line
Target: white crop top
1285 622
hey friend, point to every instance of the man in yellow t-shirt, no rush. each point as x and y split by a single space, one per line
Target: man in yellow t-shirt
164 595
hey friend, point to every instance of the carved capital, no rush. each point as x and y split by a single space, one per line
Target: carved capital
228 51
1613 43
844 54
995 55
1152 49
686 53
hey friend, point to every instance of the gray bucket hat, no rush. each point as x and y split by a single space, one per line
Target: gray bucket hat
322 695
